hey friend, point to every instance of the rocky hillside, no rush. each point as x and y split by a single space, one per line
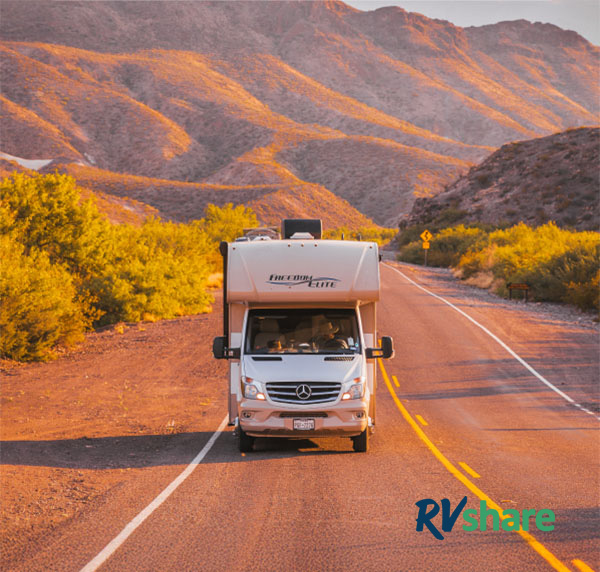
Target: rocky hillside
377 108
550 178
181 201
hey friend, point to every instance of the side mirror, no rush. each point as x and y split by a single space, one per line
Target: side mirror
387 347
219 347
385 351
221 351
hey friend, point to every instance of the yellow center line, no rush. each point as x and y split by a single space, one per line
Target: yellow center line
468 470
529 538
422 421
581 565
396 381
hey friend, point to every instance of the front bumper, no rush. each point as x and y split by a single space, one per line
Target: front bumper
264 419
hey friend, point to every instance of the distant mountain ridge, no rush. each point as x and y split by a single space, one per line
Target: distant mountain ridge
378 108
550 178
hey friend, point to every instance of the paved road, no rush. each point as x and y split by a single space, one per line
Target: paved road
458 397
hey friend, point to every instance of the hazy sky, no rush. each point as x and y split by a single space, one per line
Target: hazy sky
583 16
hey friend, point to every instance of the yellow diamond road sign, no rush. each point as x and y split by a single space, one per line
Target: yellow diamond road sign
426 236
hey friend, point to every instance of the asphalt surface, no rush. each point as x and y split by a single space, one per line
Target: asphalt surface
316 505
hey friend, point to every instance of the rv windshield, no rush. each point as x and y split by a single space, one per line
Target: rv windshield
311 330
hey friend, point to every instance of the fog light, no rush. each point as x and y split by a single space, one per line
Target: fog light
360 414
246 414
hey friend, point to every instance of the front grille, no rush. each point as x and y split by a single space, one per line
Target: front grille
339 358
290 391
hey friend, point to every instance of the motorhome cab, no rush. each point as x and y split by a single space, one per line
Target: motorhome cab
300 335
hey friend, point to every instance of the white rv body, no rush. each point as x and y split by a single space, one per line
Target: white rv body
309 296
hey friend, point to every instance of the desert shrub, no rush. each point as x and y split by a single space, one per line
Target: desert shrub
483 179
559 265
39 305
447 246
451 243
65 268
411 252
158 270
223 223
475 262
227 222
46 214
571 276
411 234
377 234
522 248
585 295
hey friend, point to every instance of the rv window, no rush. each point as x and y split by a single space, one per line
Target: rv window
312 330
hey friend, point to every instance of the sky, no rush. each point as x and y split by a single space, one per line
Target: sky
583 16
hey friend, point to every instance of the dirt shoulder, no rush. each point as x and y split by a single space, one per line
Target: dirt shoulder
74 428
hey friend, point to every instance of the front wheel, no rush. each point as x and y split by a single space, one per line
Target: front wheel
245 441
360 443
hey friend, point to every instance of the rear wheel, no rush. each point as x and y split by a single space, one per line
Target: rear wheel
360 443
245 442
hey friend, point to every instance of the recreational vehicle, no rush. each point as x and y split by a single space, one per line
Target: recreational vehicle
300 335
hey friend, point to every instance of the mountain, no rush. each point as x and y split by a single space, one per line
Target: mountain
183 201
377 108
550 178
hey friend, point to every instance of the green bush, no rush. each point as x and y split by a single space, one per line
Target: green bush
559 265
227 222
376 234
412 252
412 234
158 270
46 214
585 295
39 304
451 243
65 268
446 247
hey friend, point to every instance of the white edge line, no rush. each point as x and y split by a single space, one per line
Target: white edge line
114 544
499 341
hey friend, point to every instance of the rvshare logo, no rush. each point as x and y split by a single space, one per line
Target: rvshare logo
510 519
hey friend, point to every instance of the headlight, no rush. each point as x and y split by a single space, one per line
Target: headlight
251 391
356 390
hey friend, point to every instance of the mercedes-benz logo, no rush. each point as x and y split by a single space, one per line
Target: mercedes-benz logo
303 392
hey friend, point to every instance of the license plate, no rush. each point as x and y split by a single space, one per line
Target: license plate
304 424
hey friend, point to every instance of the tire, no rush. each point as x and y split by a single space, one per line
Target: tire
245 442
360 443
